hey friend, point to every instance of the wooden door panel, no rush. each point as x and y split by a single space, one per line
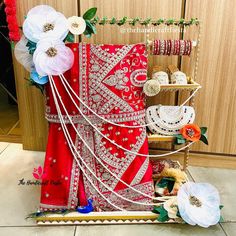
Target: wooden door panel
31 101
216 101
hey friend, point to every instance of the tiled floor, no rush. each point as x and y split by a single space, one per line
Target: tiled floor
16 201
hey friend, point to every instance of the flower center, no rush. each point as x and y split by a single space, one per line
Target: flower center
75 25
47 27
195 201
190 133
51 52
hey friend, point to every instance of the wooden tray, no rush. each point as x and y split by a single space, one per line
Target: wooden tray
96 218
176 87
191 87
160 138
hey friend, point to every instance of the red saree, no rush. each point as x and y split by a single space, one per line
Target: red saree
109 79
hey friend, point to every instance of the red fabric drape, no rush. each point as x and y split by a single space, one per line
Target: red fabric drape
109 79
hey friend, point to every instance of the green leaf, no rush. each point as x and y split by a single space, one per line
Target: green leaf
203 130
170 185
221 206
70 38
113 21
146 21
178 135
203 138
95 20
160 21
163 214
163 218
103 21
90 13
167 183
134 21
170 21
91 28
31 47
193 21
12 45
179 139
45 213
87 34
157 209
181 21
122 21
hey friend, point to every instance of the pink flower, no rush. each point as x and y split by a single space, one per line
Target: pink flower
38 172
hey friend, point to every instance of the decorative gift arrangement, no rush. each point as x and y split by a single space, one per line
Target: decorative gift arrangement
95 105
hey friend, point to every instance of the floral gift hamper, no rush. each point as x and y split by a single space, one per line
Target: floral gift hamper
100 126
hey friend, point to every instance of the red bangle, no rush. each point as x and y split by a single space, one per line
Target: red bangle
158 47
154 47
169 48
178 48
190 47
175 47
181 48
164 47
185 47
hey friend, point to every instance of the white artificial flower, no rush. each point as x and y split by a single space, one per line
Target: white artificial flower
151 87
199 204
52 57
77 25
43 21
171 207
22 54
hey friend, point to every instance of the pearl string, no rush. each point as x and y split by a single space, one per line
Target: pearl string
68 138
198 51
108 121
53 86
114 143
98 159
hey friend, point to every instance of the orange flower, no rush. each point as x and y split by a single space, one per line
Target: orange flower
191 132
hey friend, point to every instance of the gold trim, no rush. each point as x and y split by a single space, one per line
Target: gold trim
100 217
192 86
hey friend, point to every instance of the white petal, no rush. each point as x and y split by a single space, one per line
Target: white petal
209 212
205 217
33 26
40 9
171 207
58 64
22 54
78 21
183 209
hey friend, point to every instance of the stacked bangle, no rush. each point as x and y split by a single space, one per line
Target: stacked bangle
172 47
